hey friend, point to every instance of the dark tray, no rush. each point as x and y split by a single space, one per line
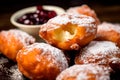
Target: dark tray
10 71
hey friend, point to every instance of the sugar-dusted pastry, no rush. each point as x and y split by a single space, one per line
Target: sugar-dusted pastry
41 61
84 72
99 52
109 32
68 31
84 9
11 41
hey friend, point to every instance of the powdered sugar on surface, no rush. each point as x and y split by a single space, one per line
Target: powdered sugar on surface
3 60
80 10
53 53
103 47
81 20
99 52
9 70
106 26
16 74
81 72
19 35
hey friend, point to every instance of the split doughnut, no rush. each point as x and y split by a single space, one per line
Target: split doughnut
68 31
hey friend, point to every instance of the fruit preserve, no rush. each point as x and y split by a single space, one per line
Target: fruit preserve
40 16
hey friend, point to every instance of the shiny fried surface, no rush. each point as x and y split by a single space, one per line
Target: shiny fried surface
40 61
101 53
84 72
84 9
68 31
109 32
12 41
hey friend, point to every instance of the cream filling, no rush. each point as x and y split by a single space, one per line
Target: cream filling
65 33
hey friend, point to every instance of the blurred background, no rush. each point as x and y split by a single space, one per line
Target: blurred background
106 10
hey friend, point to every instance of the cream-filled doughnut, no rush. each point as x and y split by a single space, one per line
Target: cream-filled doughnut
68 31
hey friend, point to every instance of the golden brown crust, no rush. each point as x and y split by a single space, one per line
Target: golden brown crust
40 61
109 32
68 31
99 52
12 41
84 72
84 9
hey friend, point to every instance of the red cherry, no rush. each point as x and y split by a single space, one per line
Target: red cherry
40 16
39 7
51 14
21 19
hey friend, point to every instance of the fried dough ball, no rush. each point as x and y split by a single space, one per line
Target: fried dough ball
11 41
99 52
84 9
84 72
41 61
109 32
68 31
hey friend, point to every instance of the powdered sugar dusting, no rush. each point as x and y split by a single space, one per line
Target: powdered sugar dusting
53 53
16 74
3 60
81 20
103 47
9 70
81 72
77 20
105 26
99 52
19 35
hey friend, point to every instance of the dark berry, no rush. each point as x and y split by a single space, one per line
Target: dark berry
39 8
40 16
43 14
29 15
28 22
21 19
51 14
35 15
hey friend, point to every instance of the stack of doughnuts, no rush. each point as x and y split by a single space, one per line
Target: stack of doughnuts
77 47
79 29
